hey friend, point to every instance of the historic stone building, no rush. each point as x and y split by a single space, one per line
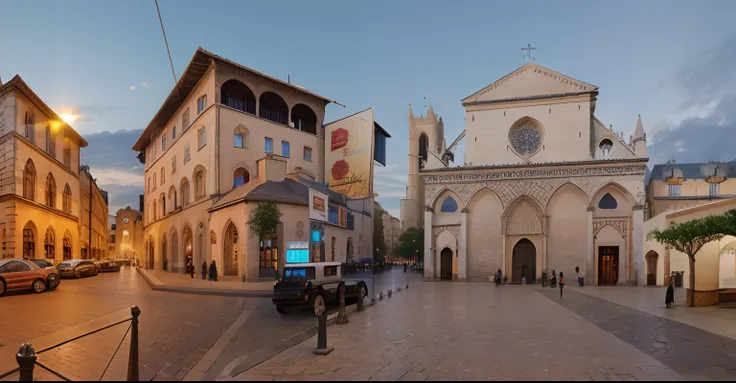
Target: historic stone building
129 240
545 186
39 195
93 220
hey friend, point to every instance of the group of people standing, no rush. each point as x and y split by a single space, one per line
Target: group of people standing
499 278
212 273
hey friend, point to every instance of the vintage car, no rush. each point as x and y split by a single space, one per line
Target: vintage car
77 268
314 285
43 263
24 274
108 266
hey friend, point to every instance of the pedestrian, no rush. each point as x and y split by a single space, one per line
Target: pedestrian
204 270
404 268
562 283
544 278
581 281
498 277
213 271
523 279
669 297
553 281
190 268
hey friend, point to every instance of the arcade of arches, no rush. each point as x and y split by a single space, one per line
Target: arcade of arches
528 226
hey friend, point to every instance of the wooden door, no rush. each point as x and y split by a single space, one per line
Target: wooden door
524 262
607 265
446 264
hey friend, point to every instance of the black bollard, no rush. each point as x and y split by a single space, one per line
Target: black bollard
361 297
26 358
133 372
342 315
322 348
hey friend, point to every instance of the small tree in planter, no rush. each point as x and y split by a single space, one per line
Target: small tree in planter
265 220
689 237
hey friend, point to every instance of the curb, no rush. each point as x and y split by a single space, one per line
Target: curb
199 291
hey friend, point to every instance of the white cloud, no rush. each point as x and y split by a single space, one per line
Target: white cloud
680 150
133 87
679 143
118 177
146 85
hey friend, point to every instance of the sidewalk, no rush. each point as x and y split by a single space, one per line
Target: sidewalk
226 286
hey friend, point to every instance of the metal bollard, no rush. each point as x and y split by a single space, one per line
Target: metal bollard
322 348
26 358
133 372
342 315
360 301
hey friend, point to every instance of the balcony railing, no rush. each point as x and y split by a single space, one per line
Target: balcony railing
239 104
273 115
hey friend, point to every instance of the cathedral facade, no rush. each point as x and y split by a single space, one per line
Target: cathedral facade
545 186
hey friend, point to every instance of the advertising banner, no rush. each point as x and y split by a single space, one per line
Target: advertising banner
349 155
318 204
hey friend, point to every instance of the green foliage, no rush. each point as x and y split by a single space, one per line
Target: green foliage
379 241
265 221
411 244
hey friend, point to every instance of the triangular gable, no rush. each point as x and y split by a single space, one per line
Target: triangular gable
530 81
604 132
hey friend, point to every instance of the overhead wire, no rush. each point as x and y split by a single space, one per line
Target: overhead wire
168 51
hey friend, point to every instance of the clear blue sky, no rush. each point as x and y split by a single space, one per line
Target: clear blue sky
386 54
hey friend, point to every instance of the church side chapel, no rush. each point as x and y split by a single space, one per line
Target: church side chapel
544 186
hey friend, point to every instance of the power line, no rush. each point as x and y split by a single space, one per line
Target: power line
168 51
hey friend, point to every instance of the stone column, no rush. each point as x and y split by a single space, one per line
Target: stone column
544 255
428 245
462 259
590 264
667 272
638 245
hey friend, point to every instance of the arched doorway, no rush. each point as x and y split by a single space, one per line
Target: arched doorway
187 248
164 252
446 264
524 262
230 251
652 257
151 252
175 252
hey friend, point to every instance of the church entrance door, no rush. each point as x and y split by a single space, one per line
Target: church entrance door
652 258
524 262
446 264
607 265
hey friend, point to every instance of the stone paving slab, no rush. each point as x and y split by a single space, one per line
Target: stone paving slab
442 331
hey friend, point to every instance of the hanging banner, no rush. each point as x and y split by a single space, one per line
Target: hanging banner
349 155
318 203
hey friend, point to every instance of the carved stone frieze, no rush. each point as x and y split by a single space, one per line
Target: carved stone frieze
619 224
453 229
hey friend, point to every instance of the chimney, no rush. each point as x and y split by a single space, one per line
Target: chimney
271 168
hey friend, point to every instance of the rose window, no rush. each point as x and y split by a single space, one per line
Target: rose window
526 138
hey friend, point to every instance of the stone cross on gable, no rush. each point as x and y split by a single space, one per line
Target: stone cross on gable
528 54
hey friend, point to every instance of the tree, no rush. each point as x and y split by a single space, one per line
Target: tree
265 221
689 237
411 244
379 242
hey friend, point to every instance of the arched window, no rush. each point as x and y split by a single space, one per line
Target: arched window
172 197
154 210
607 202
29 125
163 176
126 237
237 95
154 181
184 189
304 119
50 141
423 146
273 108
29 241
29 181
50 191
67 245
240 139
162 198
49 244
199 181
240 177
67 200
449 205
606 146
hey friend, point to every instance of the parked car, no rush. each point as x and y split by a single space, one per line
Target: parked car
43 263
314 285
24 274
108 266
77 268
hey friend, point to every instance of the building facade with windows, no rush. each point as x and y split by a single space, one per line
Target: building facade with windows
206 140
93 217
39 196
674 186
545 186
128 240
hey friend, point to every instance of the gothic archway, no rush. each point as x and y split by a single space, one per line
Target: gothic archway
230 250
524 263
446 264
187 241
652 257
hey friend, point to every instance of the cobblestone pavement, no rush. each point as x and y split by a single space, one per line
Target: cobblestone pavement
176 330
441 331
692 352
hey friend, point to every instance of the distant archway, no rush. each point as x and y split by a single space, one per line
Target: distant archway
446 264
524 263
230 250
652 257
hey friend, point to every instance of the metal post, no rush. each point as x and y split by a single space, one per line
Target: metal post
133 375
360 301
342 315
322 348
26 358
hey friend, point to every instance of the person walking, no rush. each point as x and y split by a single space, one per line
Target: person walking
190 268
204 270
553 281
213 271
669 297
581 281
498 277
562 283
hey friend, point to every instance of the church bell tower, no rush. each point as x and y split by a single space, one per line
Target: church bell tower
426 146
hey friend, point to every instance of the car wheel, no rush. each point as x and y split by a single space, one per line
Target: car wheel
280 310
2 287
52 281
39 285
77 274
